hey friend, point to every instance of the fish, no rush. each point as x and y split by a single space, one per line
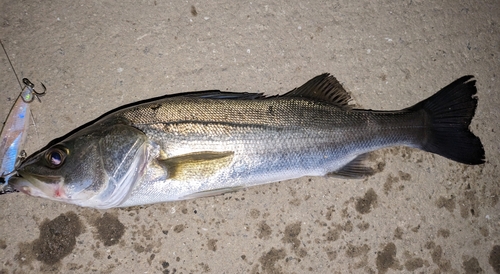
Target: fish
199 144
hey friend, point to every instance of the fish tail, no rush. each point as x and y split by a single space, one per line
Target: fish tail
448 114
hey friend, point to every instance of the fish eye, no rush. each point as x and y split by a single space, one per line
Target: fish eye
55 157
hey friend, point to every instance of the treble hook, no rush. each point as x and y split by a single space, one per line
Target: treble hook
5 189
29 92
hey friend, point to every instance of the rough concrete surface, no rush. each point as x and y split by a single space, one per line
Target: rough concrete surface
421 213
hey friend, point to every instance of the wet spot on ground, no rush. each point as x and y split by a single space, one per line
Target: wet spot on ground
269 259
3 245
254 213
404 176
361 252
364 204
356 251
329 212
151 258
193 11
332 235
469 205
378 159
494 259
292 232
363 226
437 257
264 230
212 245
205 268
57 238
407 153
73 266
295 202
389 182
145 246
495 197
179 228
445 233
387 258
348 226
484 231
165 270
25 255
138 248
109 229
414 264
331 254
449 204
398 233
437 252
471 266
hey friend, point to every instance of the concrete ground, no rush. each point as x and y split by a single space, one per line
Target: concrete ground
422 213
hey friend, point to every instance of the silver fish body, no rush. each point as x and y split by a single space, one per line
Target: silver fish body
207 143
253 142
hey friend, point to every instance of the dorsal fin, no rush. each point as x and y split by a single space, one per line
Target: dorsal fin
217 94
325 88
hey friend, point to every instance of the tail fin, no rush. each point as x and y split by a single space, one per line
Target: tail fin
449 113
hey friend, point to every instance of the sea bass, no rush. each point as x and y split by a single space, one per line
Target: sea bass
206 143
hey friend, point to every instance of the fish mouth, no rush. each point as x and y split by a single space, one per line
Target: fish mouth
49 187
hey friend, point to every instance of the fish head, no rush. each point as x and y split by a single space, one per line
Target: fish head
96 167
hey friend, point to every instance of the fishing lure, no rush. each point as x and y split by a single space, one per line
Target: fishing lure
14 131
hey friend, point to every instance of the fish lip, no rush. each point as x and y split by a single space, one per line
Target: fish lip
43 179
18 183
48 187
40 186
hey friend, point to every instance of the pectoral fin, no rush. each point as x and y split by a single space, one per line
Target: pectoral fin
199 165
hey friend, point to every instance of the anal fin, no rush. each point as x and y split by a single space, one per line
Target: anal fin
355 169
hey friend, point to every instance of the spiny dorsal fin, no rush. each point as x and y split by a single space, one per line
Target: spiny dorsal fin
325 88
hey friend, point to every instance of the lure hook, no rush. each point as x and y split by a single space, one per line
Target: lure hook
29 92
